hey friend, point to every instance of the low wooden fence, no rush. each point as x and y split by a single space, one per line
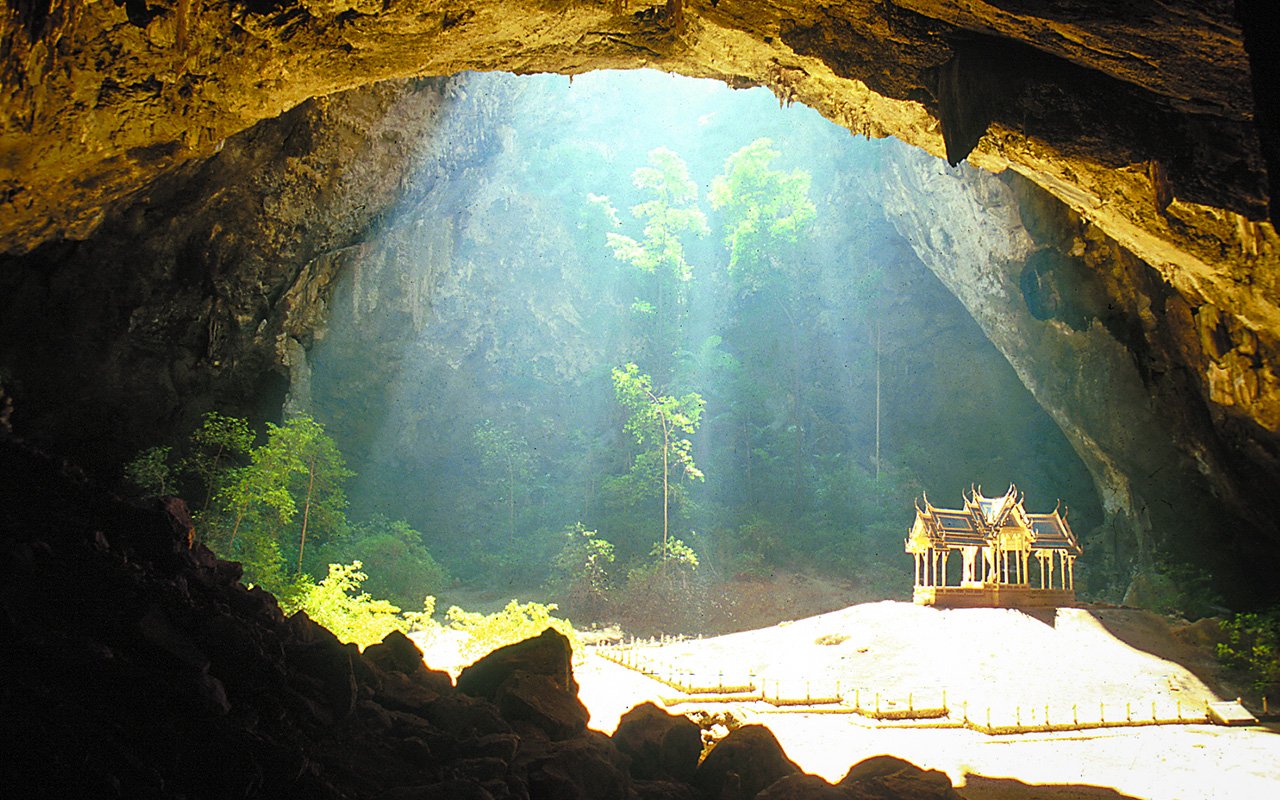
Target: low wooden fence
930 708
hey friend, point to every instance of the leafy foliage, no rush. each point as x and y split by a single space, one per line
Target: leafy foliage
583 571
338 603
1253 646
765 212
668 216
150 471
661 425
514 623
219 440
400 567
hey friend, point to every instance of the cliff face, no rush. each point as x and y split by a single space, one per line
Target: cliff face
205 289
1111 352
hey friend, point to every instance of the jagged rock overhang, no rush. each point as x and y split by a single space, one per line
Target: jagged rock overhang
1139 116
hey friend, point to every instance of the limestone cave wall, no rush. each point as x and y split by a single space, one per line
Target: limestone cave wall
1110 351
205 290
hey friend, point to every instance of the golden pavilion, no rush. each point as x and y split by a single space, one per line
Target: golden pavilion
1005 557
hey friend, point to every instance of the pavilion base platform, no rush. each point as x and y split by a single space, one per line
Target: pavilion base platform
993 596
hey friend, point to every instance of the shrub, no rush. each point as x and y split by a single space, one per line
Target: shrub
337 603
514 623
1253 646
400 567
150 472
582 570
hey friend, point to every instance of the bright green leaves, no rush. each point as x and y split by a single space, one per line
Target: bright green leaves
220 440
661 425
583 570
297 476
338 603
150 472
656 419
765 212
668 217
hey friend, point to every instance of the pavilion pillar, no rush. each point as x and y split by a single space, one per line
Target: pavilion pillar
945 555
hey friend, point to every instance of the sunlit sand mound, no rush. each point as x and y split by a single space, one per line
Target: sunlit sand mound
1066 664
983 656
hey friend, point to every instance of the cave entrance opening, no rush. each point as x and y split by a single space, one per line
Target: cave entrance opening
736 250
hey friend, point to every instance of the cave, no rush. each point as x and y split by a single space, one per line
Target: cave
189 189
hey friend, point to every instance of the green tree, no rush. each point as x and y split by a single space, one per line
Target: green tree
318 474
582 569
400 567
661 425
505 453
669 216
259 491
765 214
150 471
297 472
217 441
338 603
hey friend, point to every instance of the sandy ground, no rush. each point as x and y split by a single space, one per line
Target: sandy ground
1011 663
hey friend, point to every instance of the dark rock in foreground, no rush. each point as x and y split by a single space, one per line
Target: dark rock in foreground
661 746
136 665
746 761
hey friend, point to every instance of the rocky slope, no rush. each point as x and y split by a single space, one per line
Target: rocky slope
190 685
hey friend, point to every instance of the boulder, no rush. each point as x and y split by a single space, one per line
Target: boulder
892 778
548 654
539 700
464 717
586 767
660 745
802 787
397 653
738 768
399 692
663 790
460 789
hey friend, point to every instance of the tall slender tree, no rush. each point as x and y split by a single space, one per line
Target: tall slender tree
505 454
670 216
661 425
765 214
